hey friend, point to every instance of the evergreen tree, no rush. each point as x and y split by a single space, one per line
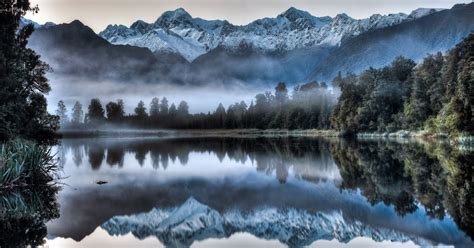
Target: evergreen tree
220 115
154 107
22 79
115 111
140 110
281 93
172 111
77 113
62 113
164 106
95 113
183 108
457 115
427 95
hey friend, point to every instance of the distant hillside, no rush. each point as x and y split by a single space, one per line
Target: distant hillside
75 50
432 33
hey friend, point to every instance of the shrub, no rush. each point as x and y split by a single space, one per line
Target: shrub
24 163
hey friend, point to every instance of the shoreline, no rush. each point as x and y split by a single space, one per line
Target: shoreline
402 134
97 133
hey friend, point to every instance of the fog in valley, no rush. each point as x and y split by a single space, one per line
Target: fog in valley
204 98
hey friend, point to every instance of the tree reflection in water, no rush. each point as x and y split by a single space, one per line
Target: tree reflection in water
23 215
405 175
437 176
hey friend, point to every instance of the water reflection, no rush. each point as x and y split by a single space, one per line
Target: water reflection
270 155
23 214
435 176
381 190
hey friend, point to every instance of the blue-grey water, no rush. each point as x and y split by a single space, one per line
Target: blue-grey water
255 191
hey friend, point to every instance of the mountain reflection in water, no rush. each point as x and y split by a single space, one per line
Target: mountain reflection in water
292 189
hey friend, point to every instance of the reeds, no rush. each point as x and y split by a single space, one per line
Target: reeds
24 164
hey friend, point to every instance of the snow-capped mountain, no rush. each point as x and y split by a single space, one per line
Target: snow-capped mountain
193 221
437 31
177 31
294 47
24 22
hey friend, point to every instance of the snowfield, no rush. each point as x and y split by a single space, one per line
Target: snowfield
177 31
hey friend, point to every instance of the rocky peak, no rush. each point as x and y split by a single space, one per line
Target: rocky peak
141 26
174 18
302 19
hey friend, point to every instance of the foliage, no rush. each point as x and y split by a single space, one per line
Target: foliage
23 215
115 110
61 112
22 79
155 107
77 113
25 164
95 113
140 110
437 95
309 107
435 175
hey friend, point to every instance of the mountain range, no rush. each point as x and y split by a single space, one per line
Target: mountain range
194 221
294 47
177 31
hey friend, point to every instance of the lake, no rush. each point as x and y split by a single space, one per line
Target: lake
253 191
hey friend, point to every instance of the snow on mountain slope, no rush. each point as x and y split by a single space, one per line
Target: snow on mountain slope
177 31
192 221
420 12
24 22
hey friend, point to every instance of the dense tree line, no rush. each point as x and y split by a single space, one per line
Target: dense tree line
27 170
22 79
433 175
309 106
435 95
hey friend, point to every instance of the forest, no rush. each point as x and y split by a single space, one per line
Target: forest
436 95
309 107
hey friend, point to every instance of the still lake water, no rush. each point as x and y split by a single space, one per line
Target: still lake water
262 192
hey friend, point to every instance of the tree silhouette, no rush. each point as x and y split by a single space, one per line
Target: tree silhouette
164 106
22 79
62 113
95 114
115 111
154 107
77 113
140 110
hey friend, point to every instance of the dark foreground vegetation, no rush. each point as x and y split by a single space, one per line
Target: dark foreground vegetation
22 79
436 95
24 164
23 114
23 214
28 172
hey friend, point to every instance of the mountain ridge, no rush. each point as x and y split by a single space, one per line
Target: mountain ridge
193 221
246 63
415 40
292 29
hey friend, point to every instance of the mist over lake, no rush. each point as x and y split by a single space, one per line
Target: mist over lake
271 188
205 123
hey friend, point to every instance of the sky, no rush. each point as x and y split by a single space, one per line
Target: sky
97 14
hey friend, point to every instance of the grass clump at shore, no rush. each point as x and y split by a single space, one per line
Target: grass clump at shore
24 164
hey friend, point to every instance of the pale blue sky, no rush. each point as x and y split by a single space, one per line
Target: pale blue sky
98 13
